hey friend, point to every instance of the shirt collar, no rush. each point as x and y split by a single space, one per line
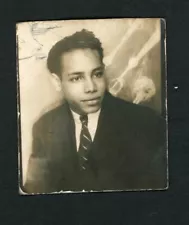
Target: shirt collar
91 116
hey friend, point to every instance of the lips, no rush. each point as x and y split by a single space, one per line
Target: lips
92 101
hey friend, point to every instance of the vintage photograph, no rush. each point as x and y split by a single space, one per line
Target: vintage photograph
92 112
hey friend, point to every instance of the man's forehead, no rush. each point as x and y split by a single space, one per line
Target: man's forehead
81 59
85 52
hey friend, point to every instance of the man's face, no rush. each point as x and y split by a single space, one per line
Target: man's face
83 80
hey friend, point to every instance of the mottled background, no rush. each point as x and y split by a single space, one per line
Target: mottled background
132 52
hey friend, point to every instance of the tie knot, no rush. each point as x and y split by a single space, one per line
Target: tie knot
84 119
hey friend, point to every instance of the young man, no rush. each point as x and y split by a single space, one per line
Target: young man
93 141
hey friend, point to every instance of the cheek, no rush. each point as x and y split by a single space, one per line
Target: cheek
72 90
101 85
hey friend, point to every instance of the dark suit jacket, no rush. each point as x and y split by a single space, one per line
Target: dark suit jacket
128 151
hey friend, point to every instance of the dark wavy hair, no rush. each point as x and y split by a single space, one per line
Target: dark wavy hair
80 40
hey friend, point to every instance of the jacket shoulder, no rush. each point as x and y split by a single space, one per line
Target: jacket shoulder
137 117
126 108
49 118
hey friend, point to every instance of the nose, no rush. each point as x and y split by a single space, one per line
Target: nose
90 86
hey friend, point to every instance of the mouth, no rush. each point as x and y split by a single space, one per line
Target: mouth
92 101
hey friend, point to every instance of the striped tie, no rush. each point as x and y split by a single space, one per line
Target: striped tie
85 142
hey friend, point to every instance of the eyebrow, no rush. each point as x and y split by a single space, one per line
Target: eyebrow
98 68
75 74
79 73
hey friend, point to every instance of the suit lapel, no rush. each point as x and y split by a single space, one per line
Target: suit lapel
109 142
62 134
104 131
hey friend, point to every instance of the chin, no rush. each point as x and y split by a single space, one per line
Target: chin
91 110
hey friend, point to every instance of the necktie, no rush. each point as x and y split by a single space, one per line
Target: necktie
85 143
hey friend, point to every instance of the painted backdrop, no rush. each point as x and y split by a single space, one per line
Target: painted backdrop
132 58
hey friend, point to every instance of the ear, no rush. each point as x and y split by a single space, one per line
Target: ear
56 82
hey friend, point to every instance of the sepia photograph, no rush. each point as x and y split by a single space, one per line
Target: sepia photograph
91 104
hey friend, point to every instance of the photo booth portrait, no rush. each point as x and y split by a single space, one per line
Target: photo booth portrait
92 105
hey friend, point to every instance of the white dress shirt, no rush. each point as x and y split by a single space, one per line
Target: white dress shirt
92 125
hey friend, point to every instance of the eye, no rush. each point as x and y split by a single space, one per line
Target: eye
76 79
98 74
